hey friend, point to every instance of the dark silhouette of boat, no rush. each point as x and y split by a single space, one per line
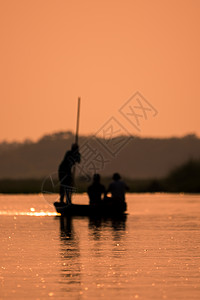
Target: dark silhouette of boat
105 208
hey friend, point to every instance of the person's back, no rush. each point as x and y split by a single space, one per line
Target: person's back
71 157
65 165
118 188
65 172
95 190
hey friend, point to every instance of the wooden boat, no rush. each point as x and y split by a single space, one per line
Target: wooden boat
105 208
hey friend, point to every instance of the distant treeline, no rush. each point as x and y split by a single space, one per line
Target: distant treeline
133 157
185 179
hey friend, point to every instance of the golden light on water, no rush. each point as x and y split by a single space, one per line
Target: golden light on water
152 253
32 213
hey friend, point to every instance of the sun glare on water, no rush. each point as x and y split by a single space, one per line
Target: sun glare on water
32 213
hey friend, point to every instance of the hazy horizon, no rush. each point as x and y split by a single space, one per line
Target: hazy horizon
35 140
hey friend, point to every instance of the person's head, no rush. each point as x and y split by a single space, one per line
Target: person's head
116 176
74 147
96 178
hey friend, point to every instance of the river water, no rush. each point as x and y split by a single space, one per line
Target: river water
151 253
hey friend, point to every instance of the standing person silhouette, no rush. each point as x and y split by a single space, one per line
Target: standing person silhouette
65 172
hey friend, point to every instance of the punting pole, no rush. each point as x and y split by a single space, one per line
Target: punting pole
76 137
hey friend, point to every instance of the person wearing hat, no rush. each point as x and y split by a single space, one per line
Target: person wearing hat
96 190
65 172
117 188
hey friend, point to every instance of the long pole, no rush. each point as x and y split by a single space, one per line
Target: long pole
77 120
76 137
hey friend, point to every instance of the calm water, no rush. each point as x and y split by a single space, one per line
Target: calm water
152 253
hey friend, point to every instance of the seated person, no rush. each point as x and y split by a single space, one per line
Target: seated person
96 190
117 188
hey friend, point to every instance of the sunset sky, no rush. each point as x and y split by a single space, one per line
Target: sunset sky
103 51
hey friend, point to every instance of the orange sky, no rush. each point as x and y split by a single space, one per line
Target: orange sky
104 51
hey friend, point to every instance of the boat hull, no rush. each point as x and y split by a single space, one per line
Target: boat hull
102 209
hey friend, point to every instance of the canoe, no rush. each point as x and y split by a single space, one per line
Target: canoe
103 209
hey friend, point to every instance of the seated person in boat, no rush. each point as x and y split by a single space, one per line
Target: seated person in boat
117 188
65 172
96 190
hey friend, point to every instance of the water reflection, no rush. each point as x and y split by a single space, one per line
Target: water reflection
87 249
66 229
153 255
98 226
70 256
31 213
